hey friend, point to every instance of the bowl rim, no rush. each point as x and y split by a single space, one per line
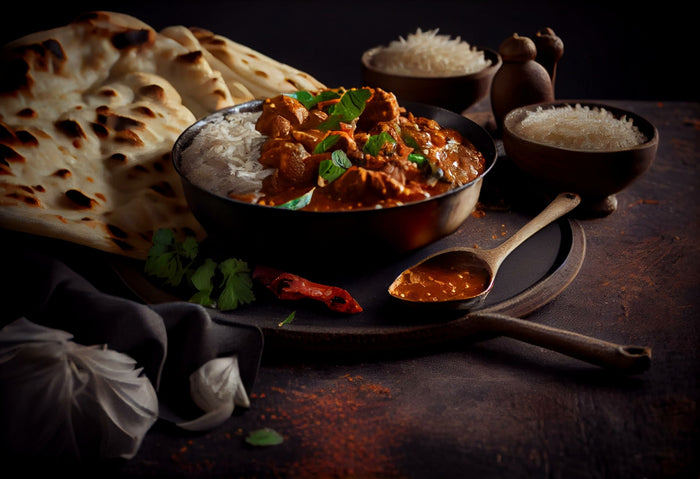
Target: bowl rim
637 119
186 136
493 55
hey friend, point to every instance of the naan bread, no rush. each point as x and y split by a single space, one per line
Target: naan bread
186 38
89 113
264 76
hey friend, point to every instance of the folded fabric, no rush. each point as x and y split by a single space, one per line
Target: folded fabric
168 342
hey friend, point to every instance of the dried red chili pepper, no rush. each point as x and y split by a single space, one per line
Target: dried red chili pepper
292 287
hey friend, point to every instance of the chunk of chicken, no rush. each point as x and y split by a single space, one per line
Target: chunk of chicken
381 107
280 115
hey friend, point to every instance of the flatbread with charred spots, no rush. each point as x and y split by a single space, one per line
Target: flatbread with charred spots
89 113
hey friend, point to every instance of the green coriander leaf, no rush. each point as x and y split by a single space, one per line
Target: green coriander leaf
298 203
264 437
176 272
410 141
340 158
351 105
202 280
168 259
173 261
326 95
417 158
331 170
309 101
163 238
190 247
237 285
161 243
165 266
288 319
376 142
325 144
303 97
233 266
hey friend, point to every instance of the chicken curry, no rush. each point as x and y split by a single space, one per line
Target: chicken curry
341 149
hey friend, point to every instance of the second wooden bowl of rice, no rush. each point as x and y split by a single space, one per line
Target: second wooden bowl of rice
432 69
593 149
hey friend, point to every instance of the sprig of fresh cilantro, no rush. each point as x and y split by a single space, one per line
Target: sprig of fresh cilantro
237 285
225 285
169 259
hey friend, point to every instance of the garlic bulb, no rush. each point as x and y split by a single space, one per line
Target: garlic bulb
63 399
217 389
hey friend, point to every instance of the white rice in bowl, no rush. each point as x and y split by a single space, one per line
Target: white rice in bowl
223 156
427 54
579 127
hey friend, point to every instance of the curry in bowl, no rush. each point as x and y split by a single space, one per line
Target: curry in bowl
331 150
359 194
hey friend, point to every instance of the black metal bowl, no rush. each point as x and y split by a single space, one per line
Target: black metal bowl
310 240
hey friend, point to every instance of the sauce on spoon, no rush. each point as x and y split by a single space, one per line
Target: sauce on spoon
445 277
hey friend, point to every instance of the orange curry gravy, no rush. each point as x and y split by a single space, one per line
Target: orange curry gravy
388 177
441 278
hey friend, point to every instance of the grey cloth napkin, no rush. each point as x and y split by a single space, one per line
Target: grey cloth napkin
169 341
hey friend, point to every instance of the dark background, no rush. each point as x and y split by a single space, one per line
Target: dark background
613 50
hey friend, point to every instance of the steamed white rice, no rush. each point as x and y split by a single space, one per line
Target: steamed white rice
579 127
223 157
427 54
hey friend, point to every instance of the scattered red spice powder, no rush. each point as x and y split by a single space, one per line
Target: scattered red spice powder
344 430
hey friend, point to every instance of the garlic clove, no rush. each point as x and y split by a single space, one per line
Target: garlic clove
217 388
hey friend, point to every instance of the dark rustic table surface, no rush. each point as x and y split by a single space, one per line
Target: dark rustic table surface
497 407
493 406
485 406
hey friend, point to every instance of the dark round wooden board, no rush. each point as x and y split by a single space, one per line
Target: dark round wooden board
532 276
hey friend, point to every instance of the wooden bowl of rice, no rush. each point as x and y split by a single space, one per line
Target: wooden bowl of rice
593 149
432 69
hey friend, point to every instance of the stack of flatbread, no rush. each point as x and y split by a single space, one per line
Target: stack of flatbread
89 113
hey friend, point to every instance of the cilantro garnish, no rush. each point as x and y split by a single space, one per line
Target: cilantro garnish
376 142
326 144
237 285
417 158
202 279
331 170
298 203
178 264
169 259
350 106
309 100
